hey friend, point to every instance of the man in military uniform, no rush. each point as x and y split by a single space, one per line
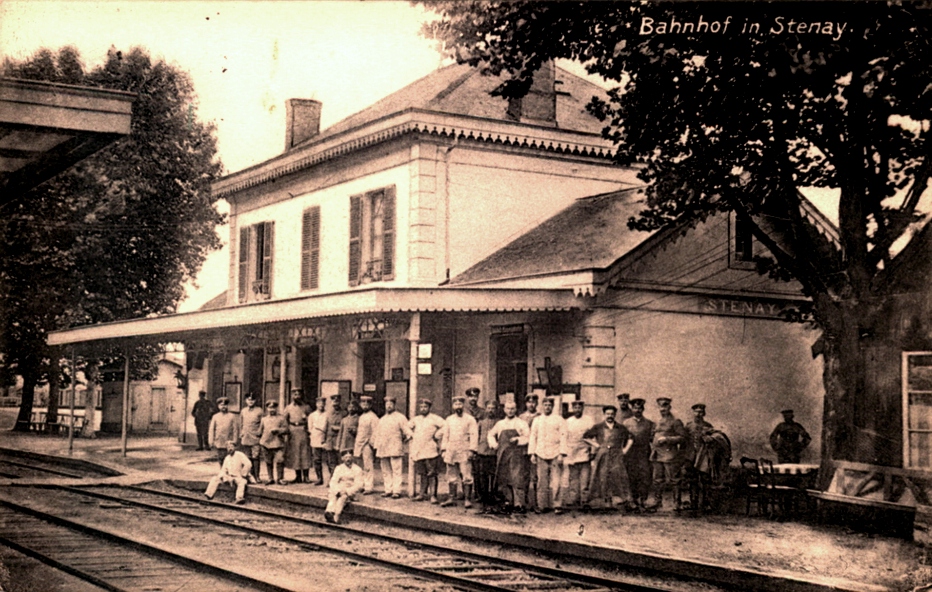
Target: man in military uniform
575 457
272 433
530 414
458 445
624 407
424 450
224 427
390 437
250 429
363 448
697 431
637 461
472 404
789 439
203 411
331 440
667 455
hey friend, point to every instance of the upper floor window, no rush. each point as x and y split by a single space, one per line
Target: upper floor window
372 236
741 250
255 261
310 249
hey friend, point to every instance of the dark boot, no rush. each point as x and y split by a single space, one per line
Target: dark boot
451 500
432 488
320 475
422 494
268 469
467 495
255 469
298 476
280 472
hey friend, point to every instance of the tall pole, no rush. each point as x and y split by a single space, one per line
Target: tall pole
74 386
283 366
125 399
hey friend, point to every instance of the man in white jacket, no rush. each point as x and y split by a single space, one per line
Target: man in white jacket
346 481
236 469
390 438
547 435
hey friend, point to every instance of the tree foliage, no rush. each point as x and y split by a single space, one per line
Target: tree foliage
734 106
117 235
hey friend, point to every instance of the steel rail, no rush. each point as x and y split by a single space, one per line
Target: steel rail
569 576
41 469
132 544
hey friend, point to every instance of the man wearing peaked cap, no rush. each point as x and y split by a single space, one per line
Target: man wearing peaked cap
667 455
789 439
224 427
530 414
459 441
250 418
203 411
698 432
272 433
363 448
424 450
390 436
472 403
575 455
624 407
637 461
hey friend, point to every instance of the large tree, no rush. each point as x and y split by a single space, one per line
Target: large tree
735 106
117 235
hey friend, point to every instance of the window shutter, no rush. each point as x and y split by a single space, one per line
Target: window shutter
310 249
243 263
269 229
355 239
388 234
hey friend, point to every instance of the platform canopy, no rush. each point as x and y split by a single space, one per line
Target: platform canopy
47 127
209 324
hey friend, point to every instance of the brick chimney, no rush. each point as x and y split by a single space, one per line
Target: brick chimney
539 105
302 121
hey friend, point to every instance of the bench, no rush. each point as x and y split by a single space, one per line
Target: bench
874 497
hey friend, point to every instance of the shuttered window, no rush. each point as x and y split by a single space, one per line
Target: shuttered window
256 248
372 237
244 263
310 249
355 239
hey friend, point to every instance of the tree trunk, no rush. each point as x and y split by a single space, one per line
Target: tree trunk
30 378
51 416
843 380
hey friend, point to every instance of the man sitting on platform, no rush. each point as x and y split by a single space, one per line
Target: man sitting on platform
236 469
346 481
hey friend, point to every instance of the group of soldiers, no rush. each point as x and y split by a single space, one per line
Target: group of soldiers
537 460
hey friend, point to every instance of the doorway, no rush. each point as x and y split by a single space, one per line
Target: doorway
373 372
511 366
309 360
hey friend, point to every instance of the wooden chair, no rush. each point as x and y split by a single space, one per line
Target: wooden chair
786 497
754 486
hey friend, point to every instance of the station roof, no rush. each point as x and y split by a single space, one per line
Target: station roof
47 127
178 327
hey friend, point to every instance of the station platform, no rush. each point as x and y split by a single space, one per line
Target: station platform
750 553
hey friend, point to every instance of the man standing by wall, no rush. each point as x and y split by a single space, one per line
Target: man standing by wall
425 449
637 461
317 430
250 430
224 428
611 441
789 439
331 444
363 448
459 443
547 433
575 454
203 411
667 456
273 431
390 437
483 464
298 450
509 437
530 414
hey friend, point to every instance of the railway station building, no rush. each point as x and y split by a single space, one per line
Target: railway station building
444 238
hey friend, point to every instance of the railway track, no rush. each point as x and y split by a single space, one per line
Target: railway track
453 568
109 561
12 469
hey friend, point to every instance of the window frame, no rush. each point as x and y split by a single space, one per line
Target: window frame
364 223
906 391
255 266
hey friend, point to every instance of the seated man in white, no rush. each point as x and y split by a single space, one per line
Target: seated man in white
236 469
346 481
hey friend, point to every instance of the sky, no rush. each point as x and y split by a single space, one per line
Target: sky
246 59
